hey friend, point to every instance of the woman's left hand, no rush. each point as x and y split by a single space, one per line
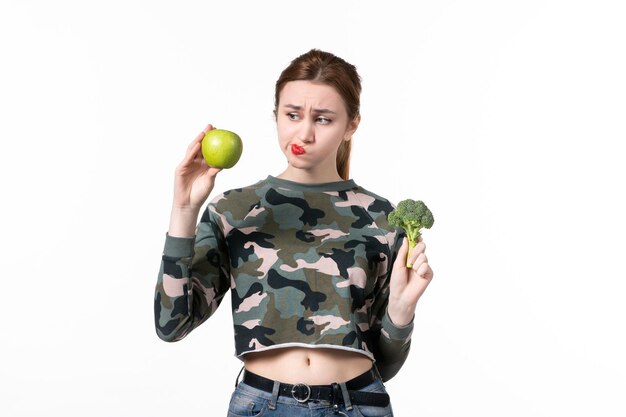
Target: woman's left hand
408 284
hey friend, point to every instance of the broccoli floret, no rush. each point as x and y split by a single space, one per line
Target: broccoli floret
411 216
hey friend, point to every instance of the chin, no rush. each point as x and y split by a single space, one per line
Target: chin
298 163
300 167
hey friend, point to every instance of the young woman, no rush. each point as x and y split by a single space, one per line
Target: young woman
322 301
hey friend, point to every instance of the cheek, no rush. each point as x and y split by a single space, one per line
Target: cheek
285 132
283 140
331 138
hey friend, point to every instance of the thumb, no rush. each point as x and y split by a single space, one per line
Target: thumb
213 171
400 261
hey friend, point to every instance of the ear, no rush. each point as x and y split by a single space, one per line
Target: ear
352 127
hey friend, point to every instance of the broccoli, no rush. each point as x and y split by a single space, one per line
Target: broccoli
411 216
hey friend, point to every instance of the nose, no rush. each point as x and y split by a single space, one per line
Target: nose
306 133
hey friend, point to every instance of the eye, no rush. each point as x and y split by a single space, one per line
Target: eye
292 116
323 120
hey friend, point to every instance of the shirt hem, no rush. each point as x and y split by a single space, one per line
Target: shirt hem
369 355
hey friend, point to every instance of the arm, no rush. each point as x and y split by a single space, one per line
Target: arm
392 342
405 287
393 347
193 278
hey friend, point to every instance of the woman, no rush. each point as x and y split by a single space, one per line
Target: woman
322 301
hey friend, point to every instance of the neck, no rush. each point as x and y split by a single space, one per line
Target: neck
310 176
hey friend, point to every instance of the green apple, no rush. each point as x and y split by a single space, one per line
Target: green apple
221 148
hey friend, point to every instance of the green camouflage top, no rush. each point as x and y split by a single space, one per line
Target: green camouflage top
308 265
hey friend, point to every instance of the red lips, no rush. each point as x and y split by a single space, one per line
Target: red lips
297 149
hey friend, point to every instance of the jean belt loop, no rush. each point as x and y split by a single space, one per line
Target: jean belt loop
377 372
346 396
238 375
275 393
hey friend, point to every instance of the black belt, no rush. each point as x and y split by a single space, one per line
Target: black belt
303 392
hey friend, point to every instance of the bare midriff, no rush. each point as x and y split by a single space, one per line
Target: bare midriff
319 366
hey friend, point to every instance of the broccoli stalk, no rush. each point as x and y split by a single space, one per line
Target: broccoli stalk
411 216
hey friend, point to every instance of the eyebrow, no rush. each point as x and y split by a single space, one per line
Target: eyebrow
319 111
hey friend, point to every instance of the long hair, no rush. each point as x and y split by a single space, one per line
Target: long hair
326 68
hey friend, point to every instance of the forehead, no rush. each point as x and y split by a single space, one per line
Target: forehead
301 93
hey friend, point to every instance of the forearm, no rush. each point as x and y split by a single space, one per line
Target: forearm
173 306
193 277
401 314
393 347
183 222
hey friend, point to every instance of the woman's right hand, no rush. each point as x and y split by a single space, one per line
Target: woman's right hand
193 182
194 179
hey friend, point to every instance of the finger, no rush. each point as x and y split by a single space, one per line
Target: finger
425 271
416 252
419 248
416 261
212 172
198 139
193 152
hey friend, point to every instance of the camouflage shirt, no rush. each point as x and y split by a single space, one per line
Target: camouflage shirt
307 265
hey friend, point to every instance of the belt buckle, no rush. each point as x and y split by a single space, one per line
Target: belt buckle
295 392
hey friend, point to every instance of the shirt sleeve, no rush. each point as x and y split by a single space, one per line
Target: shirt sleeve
193 279
392 343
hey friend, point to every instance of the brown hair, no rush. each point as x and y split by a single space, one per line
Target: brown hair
326 68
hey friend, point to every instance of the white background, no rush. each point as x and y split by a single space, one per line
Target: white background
505 117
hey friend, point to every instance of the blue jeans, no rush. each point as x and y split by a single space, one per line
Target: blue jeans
247 401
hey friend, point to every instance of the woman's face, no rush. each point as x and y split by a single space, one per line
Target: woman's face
312 122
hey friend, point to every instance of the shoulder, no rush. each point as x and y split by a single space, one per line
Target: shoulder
373 202
236 197
378 208
233 203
